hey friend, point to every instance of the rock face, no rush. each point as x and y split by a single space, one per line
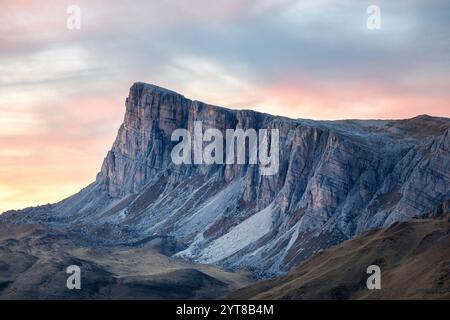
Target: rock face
336 180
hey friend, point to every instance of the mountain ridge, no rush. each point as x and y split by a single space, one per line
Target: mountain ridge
336 180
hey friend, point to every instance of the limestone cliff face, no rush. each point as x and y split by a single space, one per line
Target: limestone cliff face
336 179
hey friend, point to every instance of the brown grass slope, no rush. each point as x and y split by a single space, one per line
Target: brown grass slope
414 258
34 258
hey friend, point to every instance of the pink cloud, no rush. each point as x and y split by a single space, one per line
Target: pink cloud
369 100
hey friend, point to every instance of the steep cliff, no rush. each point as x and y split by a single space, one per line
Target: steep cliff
336 179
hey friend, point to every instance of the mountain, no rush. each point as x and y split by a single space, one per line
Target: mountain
413 257
336 180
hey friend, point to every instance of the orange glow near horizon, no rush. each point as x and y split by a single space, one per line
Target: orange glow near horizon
47 162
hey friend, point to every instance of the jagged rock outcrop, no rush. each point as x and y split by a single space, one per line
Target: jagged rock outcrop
336 179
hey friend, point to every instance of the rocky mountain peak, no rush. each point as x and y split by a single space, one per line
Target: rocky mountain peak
336 179
140 89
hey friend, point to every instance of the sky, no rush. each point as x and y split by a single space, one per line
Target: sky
62 90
